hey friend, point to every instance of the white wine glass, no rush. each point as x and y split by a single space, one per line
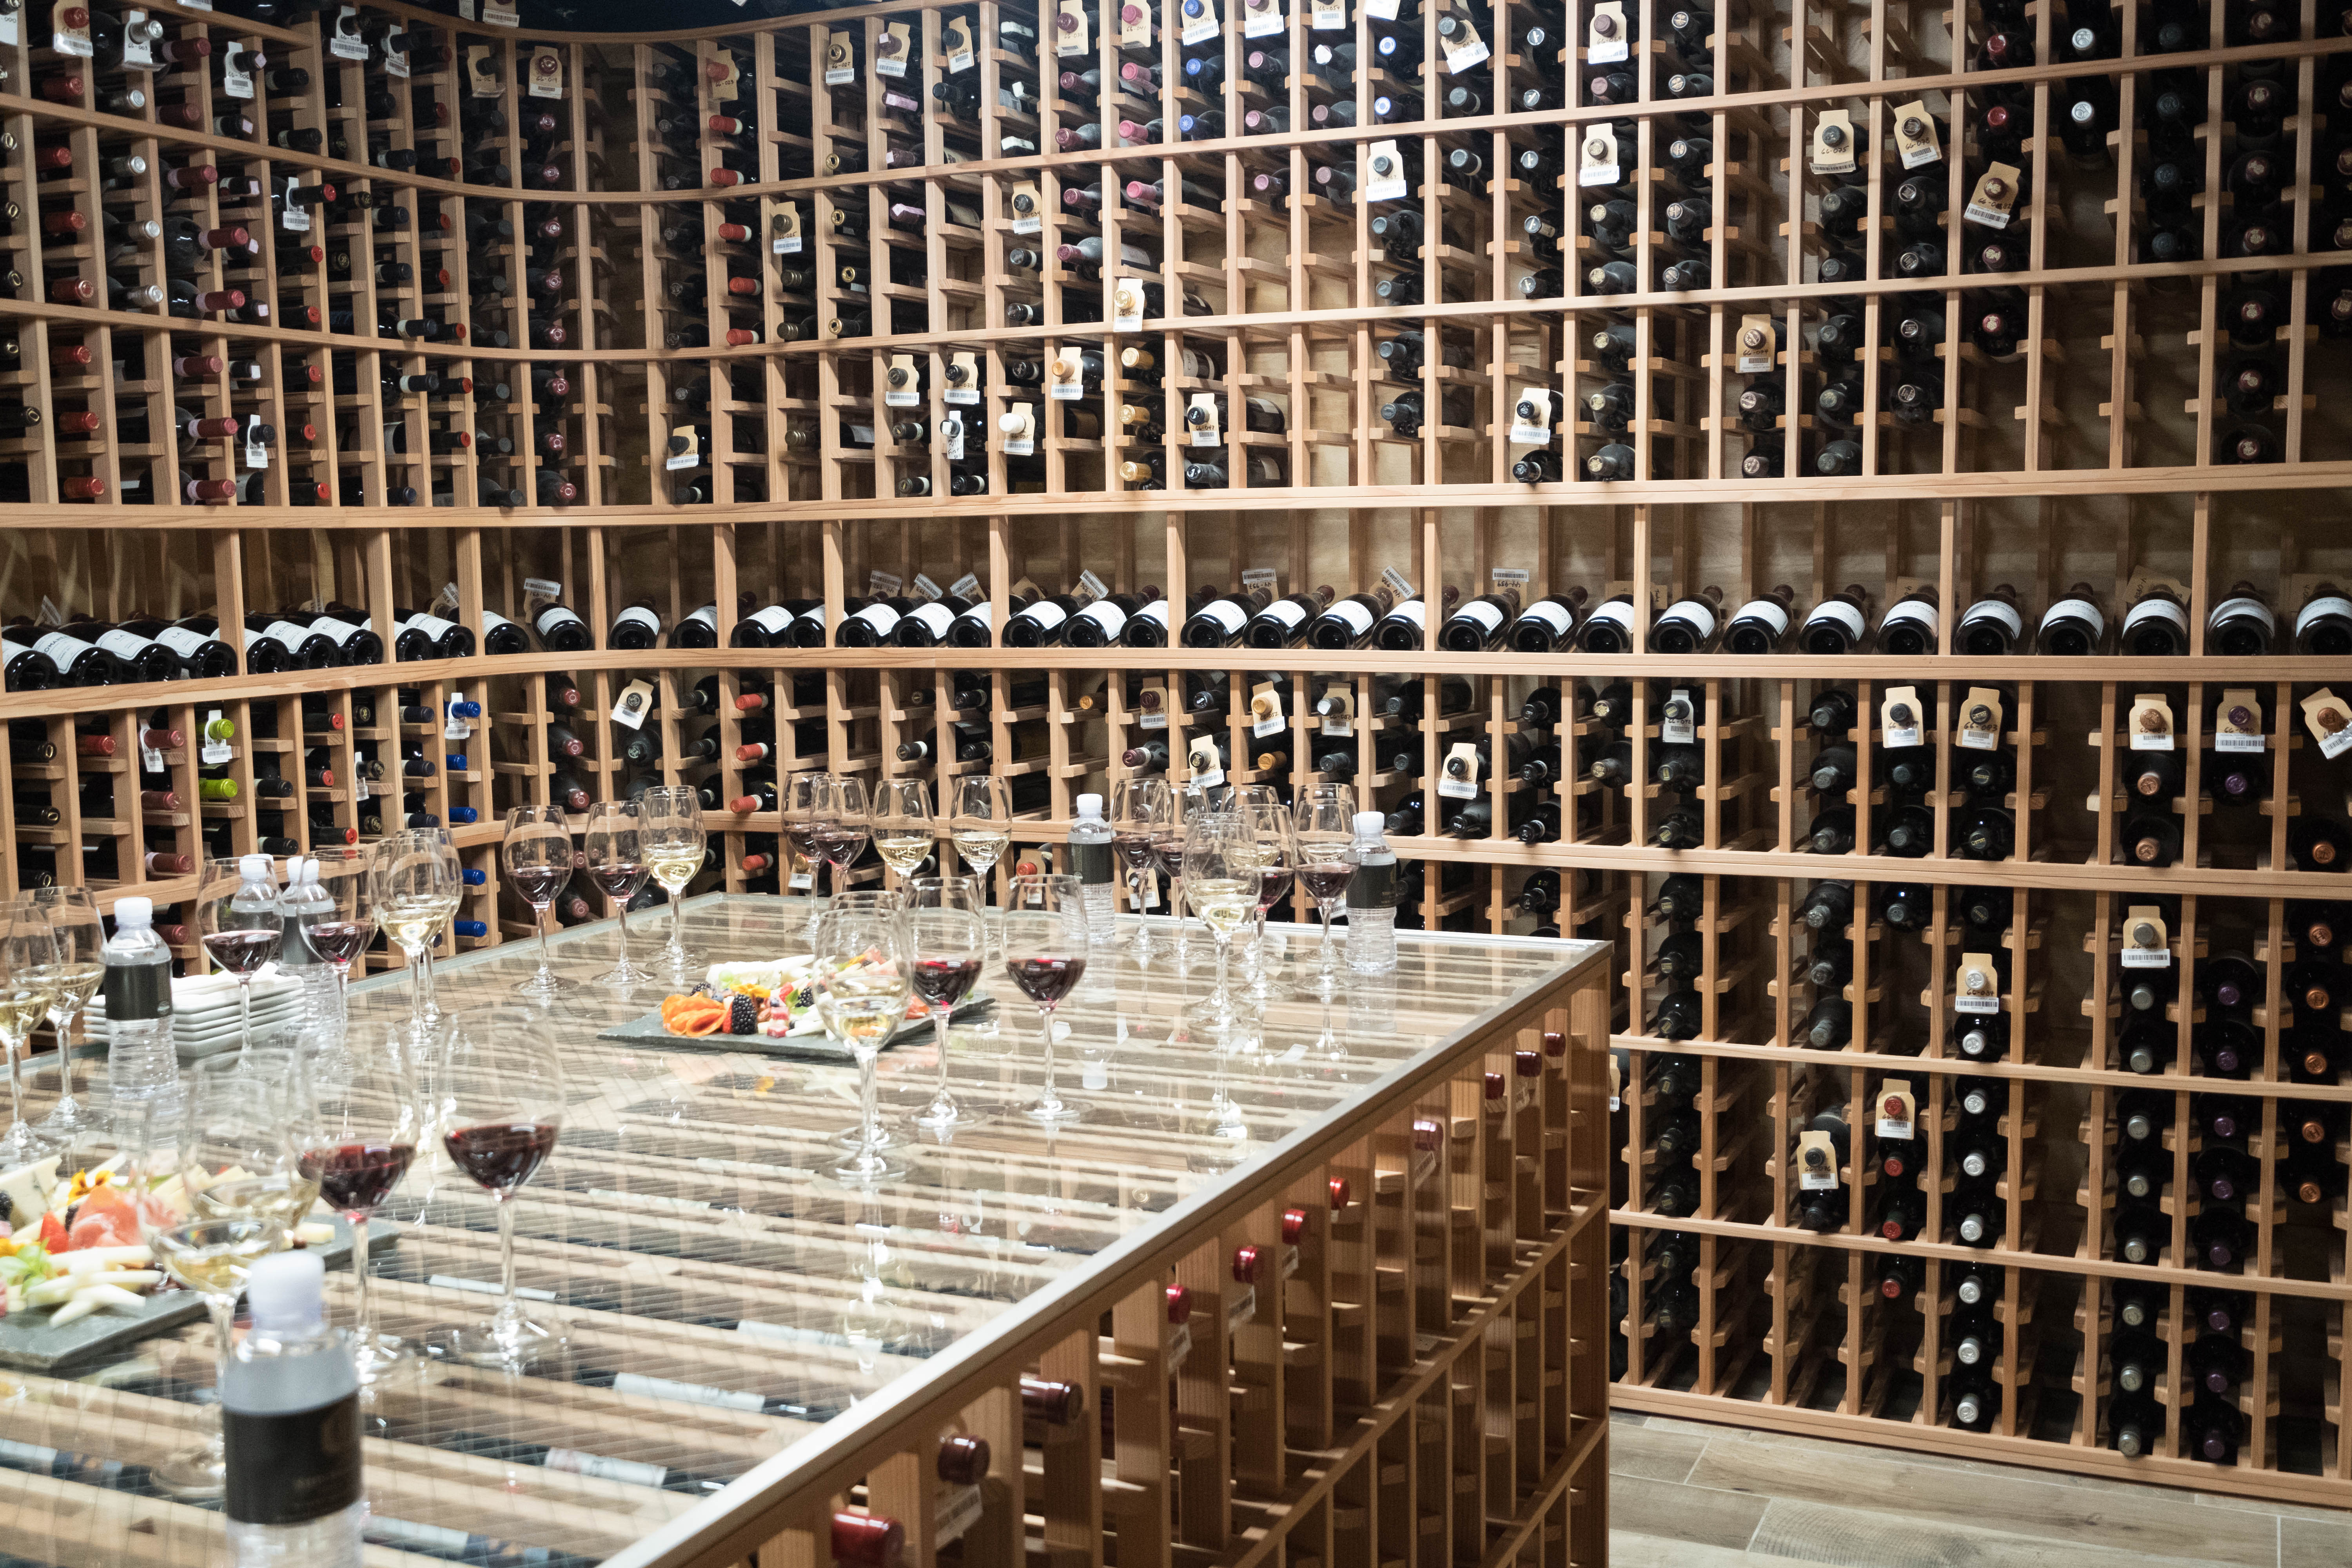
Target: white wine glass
240 925
1324 822
419 890
673 839
981 824
29 987
538 859
80 937
611 847
904 827
1222 861
947 926
1140 807
1046 950
862 967
440 844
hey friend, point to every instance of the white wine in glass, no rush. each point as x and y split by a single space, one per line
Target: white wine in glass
980 847
902 849
1223 902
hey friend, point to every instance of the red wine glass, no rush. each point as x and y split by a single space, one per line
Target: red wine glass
950 937
842 838
355 1130
1046 950
538 858
241 926
500 1108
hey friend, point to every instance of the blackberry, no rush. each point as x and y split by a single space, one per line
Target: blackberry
743 1015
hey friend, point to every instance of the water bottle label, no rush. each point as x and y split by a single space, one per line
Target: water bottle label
290 1467
1373 887
1091 861
133 991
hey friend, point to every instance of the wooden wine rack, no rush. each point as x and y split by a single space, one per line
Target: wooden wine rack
2092 454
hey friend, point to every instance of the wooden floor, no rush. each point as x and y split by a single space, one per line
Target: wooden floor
1686 1494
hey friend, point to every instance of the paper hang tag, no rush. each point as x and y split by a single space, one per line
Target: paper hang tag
1466 52
1596 157
1761 361
1995 195
1090 588
952 432
546 74
881 585
1066 379
637 700
1604 34
68 39
445 603
2150 723
482 72
498 15
1531 416
150 758
2238 721
1817 1162
1201 757
1199 29
964 387
1072 33
344 42
257 451
928 591
840 60
396 51
1616 1082
689 458
1328 16
1975 984
1135 24
957 41
1018 427
905 394
1205 430
893 49
1263 20
1241 1309
1915 135
965 587
1027 207
1898 1112
1127 304
1388 187
137 53
1399 583
1458 774
1898 716
1980 720
1832 150
1026 588
723 86
1151 707
292 216
236 81
1678 720
2147 942
2330 719
1266 717
1340 720
212 754
784 233
51 615
10 35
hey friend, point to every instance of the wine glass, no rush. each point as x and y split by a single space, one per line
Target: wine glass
1270 820
339 925
1045 922
211 1258
1186 800
904 830
418 891
1324 822
613 849
842 839
30 985
537 854
438 843
354 1128
862 967
672 838
980 825
500 1088
1221 860
950 937
237 915
805 805
1140 807
80 936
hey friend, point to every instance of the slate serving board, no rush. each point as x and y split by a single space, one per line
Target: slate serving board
819 1049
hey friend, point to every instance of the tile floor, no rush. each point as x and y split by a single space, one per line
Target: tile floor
1687 1495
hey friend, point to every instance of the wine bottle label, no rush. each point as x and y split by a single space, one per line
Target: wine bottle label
882 618
637 615
291 1466
2075 609
2249 608
492 623
1107 616
1837 612
184 641
431 625
1409 612
686 1393
933 618
62 649
553 619
1766 613
1483 613
1618 613
1044 614
706 616
1698 612
772 620
1998 610
2154 609
133 991
1552 614
2327 605
1226 615
124 646
1288 612
1908 612
1352 613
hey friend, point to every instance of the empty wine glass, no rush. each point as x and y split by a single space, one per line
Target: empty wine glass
339 925
1045 922
841 840
419 890
673 840
242 929
501 1100
30 987
439 843
537 854
980 826
805 805
613 849
861 969
948 934
1222 857
80 936
904 828
354 1131
1324 822
1140 807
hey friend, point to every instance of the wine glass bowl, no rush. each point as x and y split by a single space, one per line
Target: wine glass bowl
981 824
673 841
612 848
1044 923
904 830
847 825
538 858
29 987
419 887
213 1258
805 805
239 925
1141 807
1222 861
80 937
500 1091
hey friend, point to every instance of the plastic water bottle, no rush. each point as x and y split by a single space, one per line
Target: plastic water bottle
290 1426
1091 859
322 1010
1371 899
142 1068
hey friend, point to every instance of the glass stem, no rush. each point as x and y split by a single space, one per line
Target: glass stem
1224 948
870 1109
244 1023
1323 907
677 922
510 1310
223 1311
1051 1100
940 1033
361 1332
625 933
432 998
16 1085
65 1059
538 919
416 989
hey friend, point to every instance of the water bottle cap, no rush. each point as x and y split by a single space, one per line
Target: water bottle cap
1089 806
287 1293
134 912
253 867
1368 823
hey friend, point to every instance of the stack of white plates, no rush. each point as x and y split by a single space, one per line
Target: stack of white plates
205 1010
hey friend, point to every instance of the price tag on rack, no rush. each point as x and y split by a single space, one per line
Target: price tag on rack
1995 195
1205 429
2325 717
1467 52
1678 720
1817 1162
1151 708
908 395
1388 178
893 49
1915 136
1761 360
212 754
2150 723
498 15
1897 1110
1207 771
1200 29
961 55
1338 707
9 33
1381 10
1832 150
1266 718
256 450
2146 943
1605 35
1596 158
689 459
1072 36
1898 717
344 42
951 434
138 54
294 217
68 37
629 709
1241 1309
1328 16
236 81
546 74
1263 20
482 75
1980 720
1459 779
2238 724
1976 988
1018 426
396 51
1531 416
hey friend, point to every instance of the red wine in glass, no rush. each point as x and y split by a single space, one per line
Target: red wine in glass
1170 852
1046 980
801 836
539 884
501 1156
1326 880
840 845
1272 883
620 879
944 982
242 952
1134 850
339 942
355 1177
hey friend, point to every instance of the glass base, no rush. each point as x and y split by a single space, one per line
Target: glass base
21 1145
683 967
198 1472
950 1114
624 976
72 1118
852 1137
378 1355
1054 1112
511 1343
545 987
869 1167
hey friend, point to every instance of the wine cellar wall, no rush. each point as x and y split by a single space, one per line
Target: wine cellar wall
1879 471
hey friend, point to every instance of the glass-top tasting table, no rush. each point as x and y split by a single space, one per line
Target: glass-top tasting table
1368 1311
